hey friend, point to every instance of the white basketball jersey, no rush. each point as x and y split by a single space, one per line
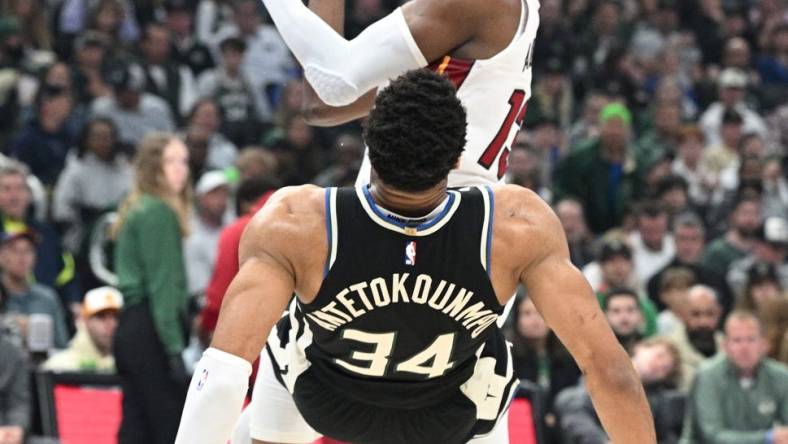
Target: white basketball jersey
495 93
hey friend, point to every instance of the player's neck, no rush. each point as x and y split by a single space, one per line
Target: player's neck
407 203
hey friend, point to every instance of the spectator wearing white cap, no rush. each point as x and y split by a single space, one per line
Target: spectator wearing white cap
770 247
732 84
212 193
91 348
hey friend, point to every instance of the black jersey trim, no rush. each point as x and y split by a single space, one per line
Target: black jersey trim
424 229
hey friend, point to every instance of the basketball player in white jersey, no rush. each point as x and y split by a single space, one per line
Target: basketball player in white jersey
484 47
392 336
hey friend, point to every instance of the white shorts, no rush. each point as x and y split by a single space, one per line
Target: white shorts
273 415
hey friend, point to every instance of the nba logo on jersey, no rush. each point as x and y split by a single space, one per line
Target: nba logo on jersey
203 379
410 253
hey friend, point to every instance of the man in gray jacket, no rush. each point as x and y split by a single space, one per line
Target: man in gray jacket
741 398
14 394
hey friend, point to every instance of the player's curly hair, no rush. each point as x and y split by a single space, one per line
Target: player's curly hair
416 131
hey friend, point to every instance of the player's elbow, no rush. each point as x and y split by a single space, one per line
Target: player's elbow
317 113
612 373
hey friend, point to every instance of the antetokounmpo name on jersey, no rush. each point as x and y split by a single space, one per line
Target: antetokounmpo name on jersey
364 297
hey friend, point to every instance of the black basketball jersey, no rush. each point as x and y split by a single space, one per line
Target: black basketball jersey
405 306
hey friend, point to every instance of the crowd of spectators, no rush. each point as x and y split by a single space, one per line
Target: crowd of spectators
657 129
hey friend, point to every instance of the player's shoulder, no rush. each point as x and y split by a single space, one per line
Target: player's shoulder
290 212
522 216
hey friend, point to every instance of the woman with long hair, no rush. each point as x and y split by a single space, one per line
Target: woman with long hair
153 326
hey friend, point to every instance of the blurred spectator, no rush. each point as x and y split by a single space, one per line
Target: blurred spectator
652 245
546 140
775 189
770 247
673 196
15 402
570 213
738 240
187 49
164 75
778 130
211 16
587 126
763 286
724 157
732 84
232 90
554 37
688 165
622 310
617 271
775 322
602 174
743 397
698 338
663 138
53 267
537 354
17 260
658 365
773 64
267 61
44 143
134 112
112 18
256 162
33 16
689 235
552 96
212 193
208 148
348 152
299 155
674 286
91 348
12 55
527 166
252 195
95 179
90 54
152 328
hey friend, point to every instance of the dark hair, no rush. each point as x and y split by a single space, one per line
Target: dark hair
672 182
252 189
620 292
416 131
651 209
82 148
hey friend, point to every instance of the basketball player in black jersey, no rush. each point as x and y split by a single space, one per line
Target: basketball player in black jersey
392 335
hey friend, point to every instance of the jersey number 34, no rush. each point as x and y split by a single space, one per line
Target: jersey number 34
517 107
431 362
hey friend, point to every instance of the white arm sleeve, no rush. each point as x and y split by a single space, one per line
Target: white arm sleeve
215 398
341 71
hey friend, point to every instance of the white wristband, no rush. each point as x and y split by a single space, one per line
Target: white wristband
215 398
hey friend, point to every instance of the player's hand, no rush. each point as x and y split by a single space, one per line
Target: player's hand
781 435
11 435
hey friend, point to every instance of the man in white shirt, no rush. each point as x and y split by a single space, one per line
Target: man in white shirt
652 246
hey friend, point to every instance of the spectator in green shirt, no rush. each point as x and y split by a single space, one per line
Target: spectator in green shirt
737 241
741 398
152 329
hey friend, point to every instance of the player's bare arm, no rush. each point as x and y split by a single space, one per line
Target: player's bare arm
476 29
279 254
529 246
